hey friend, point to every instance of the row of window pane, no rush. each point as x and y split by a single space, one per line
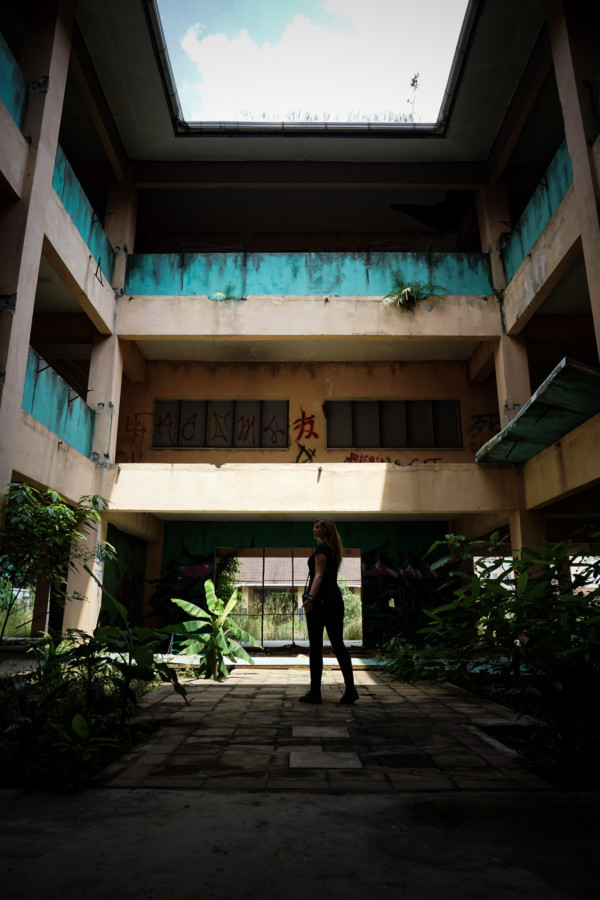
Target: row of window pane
220 423
393 423
264 423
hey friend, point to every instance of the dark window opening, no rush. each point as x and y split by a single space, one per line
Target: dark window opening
393 424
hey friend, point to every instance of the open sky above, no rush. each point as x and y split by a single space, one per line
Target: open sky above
311 60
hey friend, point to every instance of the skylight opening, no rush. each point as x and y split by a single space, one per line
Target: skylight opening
313 62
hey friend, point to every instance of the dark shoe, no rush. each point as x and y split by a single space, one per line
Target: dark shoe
311 697
350 696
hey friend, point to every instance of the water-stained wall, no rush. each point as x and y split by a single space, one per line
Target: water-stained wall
232 276
52 402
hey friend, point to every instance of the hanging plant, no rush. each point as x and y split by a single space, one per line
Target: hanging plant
406 295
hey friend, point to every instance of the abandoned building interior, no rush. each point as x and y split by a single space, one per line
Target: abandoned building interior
193 321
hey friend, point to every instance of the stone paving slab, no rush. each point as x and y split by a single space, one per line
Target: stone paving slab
250 733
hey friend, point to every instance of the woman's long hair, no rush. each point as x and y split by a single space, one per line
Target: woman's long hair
332 538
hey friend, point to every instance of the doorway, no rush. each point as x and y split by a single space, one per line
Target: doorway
272 580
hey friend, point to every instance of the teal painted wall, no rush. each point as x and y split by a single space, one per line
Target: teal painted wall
13 87
80 210
237 274
191 540
539 210
46 397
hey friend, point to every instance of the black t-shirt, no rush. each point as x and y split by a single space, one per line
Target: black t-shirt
329 585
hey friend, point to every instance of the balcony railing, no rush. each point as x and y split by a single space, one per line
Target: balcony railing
82 214
545 201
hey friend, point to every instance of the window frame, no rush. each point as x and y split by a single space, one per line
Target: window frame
266 411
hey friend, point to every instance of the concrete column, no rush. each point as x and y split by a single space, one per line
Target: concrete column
574 26
154 553
527 529
104 395
512 377
82 611
123 205
493 215
41 608
46 53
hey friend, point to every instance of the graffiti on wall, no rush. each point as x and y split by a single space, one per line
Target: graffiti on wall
305 427
368 458
483 427
133 437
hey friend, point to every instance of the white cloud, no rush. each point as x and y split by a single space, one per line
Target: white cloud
363 71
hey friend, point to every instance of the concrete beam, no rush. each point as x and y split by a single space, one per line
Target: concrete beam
570 465
274 489
97 105
13 156
474 527
481 362
66 250
306 175
536 71
134 364
196 317
141 525
551 256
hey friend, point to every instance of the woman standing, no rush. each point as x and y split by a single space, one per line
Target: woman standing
324 608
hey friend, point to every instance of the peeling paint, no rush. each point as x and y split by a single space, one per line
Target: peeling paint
52 402
302 274
13 86
545 201
80 210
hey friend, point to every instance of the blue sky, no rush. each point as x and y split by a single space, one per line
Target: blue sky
327 60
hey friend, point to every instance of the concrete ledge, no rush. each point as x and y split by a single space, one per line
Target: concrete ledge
204 491
289 316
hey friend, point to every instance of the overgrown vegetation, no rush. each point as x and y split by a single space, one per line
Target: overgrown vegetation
71 711
43 537
526 632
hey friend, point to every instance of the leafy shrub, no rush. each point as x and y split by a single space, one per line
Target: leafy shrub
526 631
213 634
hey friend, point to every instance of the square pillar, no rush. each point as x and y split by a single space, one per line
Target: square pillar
527 529
512 377
104 395
46 53
122 204
493 214
41 608
83 610
573 26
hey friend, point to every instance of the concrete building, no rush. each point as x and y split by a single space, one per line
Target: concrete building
191 321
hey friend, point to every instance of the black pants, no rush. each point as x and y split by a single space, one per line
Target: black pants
330 615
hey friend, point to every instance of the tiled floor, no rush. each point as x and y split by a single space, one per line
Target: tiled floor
250 733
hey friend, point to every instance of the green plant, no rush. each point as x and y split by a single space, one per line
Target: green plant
406 295
213 634
226 572
526 630
42 536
